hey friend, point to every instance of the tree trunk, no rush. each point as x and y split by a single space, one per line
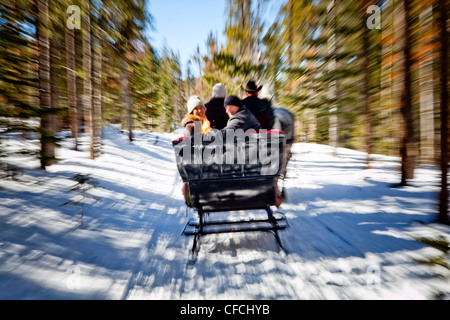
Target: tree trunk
407 148
443 196
366 84
54 78
126 96
47 153
426 90
290 40
388 114
333 110
71 84
97 100
87 83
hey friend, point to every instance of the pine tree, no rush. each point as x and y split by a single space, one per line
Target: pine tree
426 82
365 56
71 84
87 73
407 147
129 27
97 95
47 155
443 25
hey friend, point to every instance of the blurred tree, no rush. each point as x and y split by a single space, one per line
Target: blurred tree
129 21
443 8
426 57
18 59
71 83
212 75
408 150
320 75
240 30
47 155
168 90
144 85
87 73
97 44
365 56
333 90
239 61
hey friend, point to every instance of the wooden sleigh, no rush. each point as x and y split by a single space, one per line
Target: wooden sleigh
232 171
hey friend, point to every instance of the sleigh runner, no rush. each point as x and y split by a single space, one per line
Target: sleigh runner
232 171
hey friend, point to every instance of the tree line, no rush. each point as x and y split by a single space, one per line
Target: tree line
368 75
80 63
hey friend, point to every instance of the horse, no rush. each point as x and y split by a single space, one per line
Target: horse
285 121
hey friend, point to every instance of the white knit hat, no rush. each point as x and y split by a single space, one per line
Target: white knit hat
219 91
193 102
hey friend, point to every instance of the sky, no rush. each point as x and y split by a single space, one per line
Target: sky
182 25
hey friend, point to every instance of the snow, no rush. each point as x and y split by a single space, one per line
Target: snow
351 235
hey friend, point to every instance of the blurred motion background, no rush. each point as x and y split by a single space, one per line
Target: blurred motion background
367 75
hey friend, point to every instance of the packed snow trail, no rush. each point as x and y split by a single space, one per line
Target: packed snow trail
351 236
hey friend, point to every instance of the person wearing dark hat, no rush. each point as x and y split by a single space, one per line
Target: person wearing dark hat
240 116
261 108
214 107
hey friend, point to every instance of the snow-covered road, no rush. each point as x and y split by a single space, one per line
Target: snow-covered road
351 236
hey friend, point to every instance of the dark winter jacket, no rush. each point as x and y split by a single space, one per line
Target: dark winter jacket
262 110
243 119
215 112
